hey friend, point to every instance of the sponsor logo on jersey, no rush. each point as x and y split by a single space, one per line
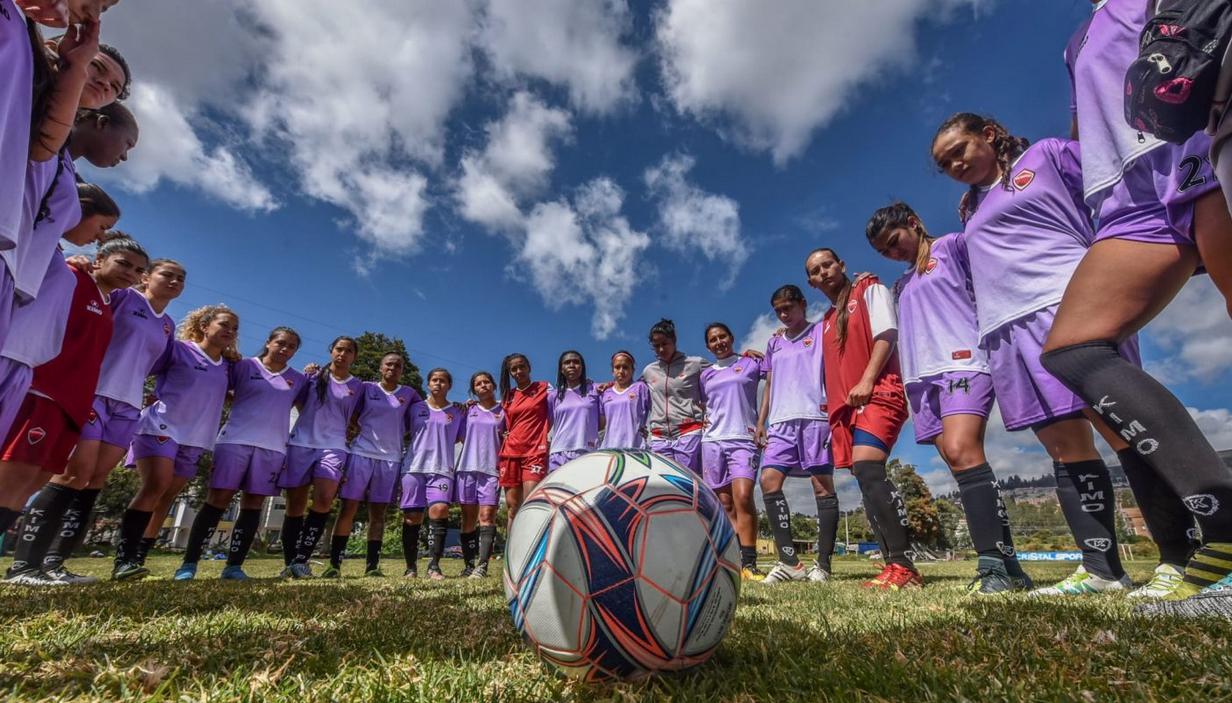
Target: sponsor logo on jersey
960 354
34 435
93 307
141 314
930 266
1202 504
199 367
1024 178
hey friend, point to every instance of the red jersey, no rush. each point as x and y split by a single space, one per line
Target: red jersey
70 378
527 417
870 312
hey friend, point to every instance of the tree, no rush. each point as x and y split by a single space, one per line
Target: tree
922 517
373 346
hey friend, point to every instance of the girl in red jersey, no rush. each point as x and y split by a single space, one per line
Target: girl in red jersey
867 408
524 453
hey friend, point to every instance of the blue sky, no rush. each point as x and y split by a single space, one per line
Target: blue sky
489 176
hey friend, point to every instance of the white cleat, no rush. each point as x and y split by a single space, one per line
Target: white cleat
782 573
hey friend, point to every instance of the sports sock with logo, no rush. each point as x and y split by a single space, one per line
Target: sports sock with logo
242 535
373 560
41 526
132 527
292 525
1170 523
470 547
73 529
410 544
487 536
1084 489
827 529
437 529
888 510
203 527
748 557
314 526
337 547
144 545
779 515
977 488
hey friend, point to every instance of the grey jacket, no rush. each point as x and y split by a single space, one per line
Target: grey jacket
675 396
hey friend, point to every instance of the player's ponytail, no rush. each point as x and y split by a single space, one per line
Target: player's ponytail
899 215
840 300
322 380
1006 146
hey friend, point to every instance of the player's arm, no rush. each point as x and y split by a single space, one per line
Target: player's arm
763 412
885 335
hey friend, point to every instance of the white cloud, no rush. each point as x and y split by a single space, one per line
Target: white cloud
1216 424
770 75
1195 332
573 43
584 252
695 221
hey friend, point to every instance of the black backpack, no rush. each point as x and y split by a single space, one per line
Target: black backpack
1170 87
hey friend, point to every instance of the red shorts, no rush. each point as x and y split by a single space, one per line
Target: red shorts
516 470
883 417
42 435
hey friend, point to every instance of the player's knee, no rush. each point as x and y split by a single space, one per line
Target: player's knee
1073 363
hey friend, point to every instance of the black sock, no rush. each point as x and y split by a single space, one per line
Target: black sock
888 509
292 525
1155 424
748 557
337 546
470 547
242 535
827 529
314 526
8 516
1088 503
1167 518
437 529
779 515
1012 566
143 548
41 525
410 545
202 530
981 502
487 536
73 529
132 527
374 555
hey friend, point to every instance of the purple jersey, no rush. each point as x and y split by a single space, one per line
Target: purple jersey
797 373
624 415
40 237
729 387
384 417
575 418
261 405
190 388
937 328
1024 241
482 440
15 95
37 330
433 436
140 338
1076 41
322 424
1098 63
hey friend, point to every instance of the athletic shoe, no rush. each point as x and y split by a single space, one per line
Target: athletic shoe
186 572
1210 566
466 571
479 572
233 573
126 570
410 574
31 577
301 571
435 574
331 573
992 578
895 577
782 573
816 574
1163 582
1080 582
63 575
374 574
752 573
286 573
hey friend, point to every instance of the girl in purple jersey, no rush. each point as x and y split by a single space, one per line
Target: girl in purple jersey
947 380
250 450
575 410
429 471
177 427
625 404
478 481
729 449
374 458
1161 215
317 453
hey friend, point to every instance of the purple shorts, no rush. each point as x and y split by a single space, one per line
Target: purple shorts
1027 394
369 479
684 450
305 464
559 459
798 448
185 457
112 422
476 488
1154 201
15 379
251 469
725 460
949 393
7 288
420 491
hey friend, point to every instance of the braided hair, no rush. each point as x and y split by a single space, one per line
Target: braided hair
506 387
561 382
1006 146
840 302
898 215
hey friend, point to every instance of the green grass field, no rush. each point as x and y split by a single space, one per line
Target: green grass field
371 639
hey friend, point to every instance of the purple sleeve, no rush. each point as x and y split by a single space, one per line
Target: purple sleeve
766 364
644 400
461 431
302 396
598 401
164 361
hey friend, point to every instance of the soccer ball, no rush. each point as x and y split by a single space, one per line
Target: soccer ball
621 564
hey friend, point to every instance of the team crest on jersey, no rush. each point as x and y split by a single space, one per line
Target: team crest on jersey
930 266
851 307
1024 178
162 439
808 342
960 354
34 435
93 418
166 328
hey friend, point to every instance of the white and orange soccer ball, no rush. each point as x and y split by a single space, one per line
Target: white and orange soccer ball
622 564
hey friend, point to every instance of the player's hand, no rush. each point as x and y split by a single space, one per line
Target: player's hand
312 368
52 13
759 355
602 387
862 276
78 48
80 262
759 435
860 395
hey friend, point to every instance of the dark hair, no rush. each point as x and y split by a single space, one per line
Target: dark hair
475 377
155 263
840 303
282 329
790 292
560 373
116 113
322 380
898 215
619 352
114 54
665 327
1006 146
43 80
95 201
505 387
721 325
119 244
435 371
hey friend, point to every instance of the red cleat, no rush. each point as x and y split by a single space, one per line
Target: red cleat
895 577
